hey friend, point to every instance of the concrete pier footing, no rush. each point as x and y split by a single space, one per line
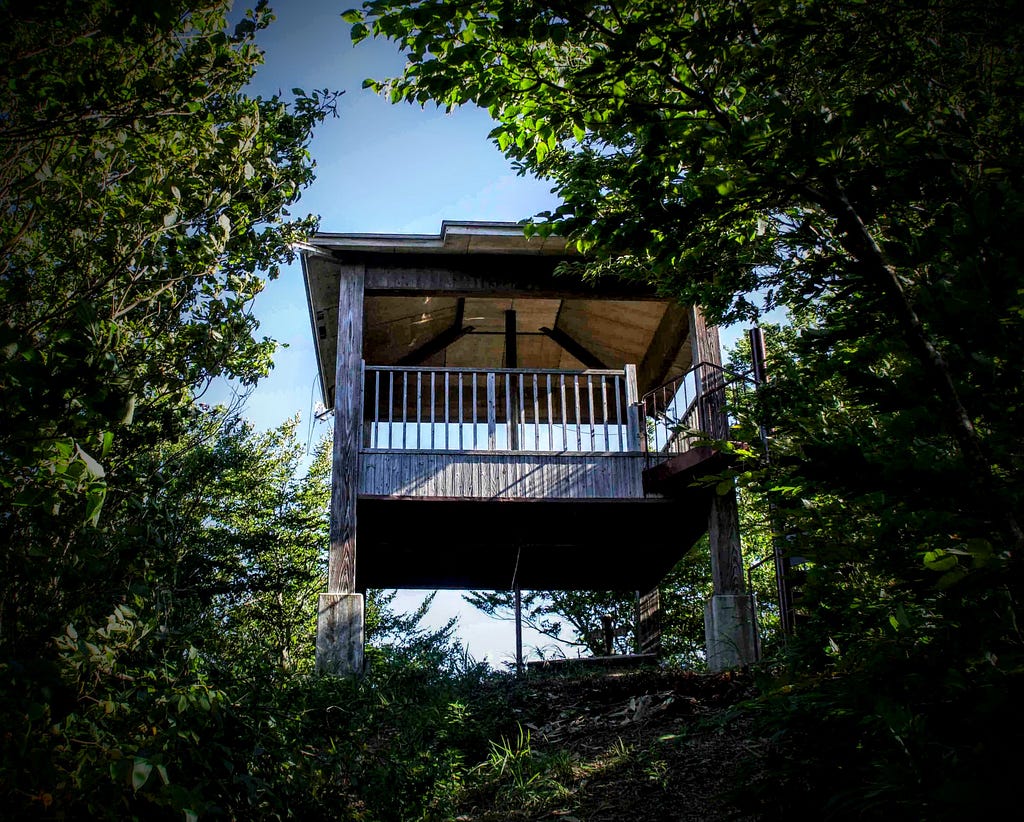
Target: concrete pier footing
730 631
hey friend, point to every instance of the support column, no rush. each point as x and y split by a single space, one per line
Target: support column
512 361
339 642
729 614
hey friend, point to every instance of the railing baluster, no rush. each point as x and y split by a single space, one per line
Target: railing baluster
405 406
474 411
522 411
419 402
508 414
636 420
460 412
391 405
619 429
604 409
433 379
565 416
551 421
590 406
376 408
665 404
579 424
446 403
536 417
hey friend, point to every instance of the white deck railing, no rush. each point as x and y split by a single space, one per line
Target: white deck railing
500 409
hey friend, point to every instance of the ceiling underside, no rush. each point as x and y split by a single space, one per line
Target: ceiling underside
560 323
614 332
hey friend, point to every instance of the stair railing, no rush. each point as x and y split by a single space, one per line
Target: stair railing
691 407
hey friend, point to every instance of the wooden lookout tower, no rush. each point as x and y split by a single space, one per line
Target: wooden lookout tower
498 426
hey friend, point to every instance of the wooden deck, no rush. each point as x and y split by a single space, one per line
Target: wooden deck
504 477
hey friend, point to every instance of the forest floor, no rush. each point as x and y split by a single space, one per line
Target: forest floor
638 745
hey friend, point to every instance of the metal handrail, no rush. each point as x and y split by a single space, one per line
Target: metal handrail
664 429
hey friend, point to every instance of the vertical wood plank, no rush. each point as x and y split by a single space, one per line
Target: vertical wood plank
565 415
391 405
536 417
579 428
551 421
405 407
619 428
590 407
636 422
376 409
604 409
492 412
513 443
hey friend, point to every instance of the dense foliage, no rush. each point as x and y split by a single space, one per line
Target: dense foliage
860 164
144 201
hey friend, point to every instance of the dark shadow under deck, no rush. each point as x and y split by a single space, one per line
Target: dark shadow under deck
555 544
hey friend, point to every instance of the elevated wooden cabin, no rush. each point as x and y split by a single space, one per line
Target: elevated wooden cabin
495 421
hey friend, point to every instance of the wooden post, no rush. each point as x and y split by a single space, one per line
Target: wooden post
348 421
512 361
607 634
726 553
729 615
648 622
723 522
634 436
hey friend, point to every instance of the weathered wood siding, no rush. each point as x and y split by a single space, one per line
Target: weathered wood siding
501 475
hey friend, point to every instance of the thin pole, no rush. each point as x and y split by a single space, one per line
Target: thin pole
519 631
782 586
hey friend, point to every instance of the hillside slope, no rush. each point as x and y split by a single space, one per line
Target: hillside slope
639 745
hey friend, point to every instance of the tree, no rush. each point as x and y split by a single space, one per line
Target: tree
858 163
144 202
144 199
806 151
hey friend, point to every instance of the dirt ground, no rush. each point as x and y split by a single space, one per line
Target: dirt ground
632 745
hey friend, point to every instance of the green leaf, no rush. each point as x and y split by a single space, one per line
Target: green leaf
141 769
91 465
939 560
94 506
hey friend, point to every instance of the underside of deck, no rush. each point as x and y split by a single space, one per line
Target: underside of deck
550 544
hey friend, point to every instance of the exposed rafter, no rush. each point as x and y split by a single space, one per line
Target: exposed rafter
578 350
439 343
